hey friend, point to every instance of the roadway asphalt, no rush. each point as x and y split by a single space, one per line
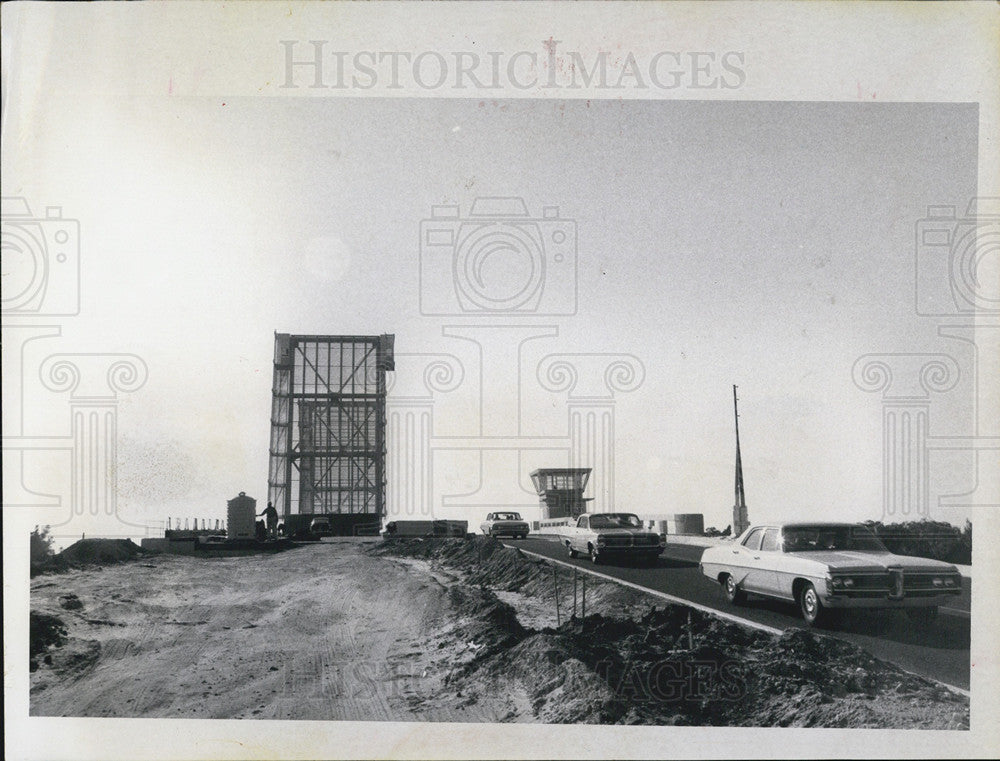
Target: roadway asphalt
939 651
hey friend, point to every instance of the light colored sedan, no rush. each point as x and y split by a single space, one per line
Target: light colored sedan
821 566
505 524
612 535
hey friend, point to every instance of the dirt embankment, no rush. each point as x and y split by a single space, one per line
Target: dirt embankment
89 552
634 662
436 630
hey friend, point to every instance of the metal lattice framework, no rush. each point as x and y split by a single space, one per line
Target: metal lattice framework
327 450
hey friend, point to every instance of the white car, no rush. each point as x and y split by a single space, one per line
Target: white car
505 524
601 536
821 566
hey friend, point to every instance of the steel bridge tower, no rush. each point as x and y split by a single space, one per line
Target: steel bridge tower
327 448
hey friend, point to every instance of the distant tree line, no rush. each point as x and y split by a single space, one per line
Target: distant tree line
937 540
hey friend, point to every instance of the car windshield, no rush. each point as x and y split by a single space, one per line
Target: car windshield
615 520
819 538
508 516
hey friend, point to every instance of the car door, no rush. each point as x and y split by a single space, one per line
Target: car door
788 566
765 569
746 558
581 528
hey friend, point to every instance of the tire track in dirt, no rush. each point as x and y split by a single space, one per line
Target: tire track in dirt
319 632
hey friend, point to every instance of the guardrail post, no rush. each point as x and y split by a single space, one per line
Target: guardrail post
555 583
574 592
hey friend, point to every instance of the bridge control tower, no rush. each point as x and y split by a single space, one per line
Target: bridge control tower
560 491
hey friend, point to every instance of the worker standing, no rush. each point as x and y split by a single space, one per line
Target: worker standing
271 516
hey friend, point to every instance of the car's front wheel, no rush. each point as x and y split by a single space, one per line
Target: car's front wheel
569 548
734 594
923 615
594 557
811 607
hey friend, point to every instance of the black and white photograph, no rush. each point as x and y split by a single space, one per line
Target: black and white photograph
500 380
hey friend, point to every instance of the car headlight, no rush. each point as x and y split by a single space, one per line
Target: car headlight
842 582
938 582
950 582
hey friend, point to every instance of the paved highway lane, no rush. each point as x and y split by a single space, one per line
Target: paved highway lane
939 651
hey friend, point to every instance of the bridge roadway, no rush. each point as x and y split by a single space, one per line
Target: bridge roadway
939 651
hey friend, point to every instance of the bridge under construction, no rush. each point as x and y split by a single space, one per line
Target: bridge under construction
327 445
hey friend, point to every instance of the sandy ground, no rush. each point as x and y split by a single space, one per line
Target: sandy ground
319 632
437 630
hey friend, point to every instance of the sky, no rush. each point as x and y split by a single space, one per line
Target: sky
764 244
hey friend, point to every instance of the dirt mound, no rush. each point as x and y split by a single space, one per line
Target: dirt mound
484 620
483 560
669 669
100 551
90 552
806 679
558 687
486 562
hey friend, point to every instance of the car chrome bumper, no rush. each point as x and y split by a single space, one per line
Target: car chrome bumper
843 601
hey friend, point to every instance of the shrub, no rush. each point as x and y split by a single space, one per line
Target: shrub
41 545
937 540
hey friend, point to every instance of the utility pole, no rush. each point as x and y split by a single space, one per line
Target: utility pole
740 519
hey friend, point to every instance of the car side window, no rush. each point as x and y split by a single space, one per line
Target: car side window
770 541
752 542
582 523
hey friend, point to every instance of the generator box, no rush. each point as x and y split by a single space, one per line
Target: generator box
241 513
